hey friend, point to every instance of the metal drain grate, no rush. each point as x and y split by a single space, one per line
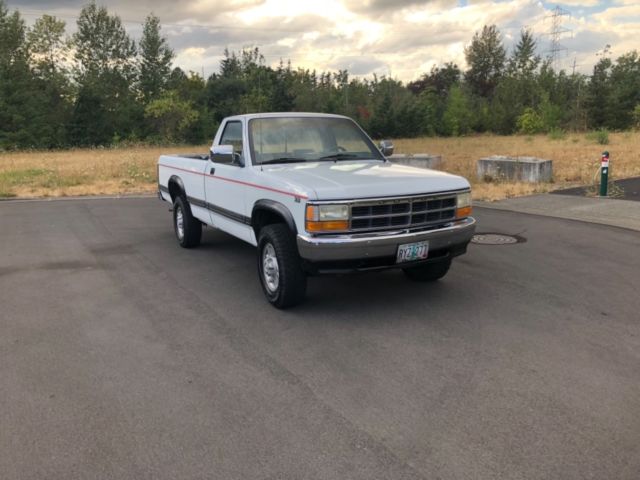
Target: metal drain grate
495 239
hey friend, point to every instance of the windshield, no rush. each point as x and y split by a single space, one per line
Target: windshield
308 139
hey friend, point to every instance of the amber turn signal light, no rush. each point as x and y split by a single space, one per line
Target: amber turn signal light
331 226
463 212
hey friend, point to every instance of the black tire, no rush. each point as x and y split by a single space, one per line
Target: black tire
190 232
287 284
428 272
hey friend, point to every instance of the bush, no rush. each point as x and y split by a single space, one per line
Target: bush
599 136
550 114
557 134
530 122
457 115
636 116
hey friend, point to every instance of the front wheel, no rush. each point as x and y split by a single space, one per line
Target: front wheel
283 281
428 272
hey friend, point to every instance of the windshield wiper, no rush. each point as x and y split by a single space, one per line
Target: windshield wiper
340 156
283 160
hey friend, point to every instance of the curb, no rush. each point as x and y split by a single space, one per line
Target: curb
81 197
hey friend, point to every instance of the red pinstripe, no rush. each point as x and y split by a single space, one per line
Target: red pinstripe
284 192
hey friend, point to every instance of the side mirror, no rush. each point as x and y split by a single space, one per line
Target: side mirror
386 147
225 154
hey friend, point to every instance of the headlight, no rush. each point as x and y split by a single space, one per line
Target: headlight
463 205
327 218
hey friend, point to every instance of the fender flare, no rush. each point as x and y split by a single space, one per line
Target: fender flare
278 208
178 181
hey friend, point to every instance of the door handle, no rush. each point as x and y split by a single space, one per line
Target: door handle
212 171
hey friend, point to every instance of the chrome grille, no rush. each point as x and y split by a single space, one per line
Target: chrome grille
408 212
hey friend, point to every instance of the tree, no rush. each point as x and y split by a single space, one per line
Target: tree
110 92
523 61
12 37
25 121
14 80
457 116
516 91
599 96
48 45
486 60
155 60
170 116
105 106
49 49
625 90
102 44
439 79
283 95
192 88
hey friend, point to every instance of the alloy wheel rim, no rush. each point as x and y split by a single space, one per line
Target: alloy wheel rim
270 268
180 223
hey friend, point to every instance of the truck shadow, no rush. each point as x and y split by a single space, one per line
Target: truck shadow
376 293
361 294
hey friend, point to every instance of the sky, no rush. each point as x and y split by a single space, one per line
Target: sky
398 38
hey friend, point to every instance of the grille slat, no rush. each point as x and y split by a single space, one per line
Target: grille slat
410 212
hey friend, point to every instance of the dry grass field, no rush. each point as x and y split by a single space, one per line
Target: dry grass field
576 159
132 170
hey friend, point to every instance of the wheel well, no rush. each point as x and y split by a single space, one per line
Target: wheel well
175 188
262 217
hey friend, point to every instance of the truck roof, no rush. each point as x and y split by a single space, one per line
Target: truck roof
249 116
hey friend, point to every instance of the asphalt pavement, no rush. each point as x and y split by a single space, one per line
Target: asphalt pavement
625 189
123 356
605 211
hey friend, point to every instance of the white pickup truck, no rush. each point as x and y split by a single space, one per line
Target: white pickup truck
315 195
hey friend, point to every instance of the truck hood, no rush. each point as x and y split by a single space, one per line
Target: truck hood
363 179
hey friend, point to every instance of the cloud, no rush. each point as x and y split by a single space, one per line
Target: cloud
380 9
403 37
580 3
619 14
167 10
359 65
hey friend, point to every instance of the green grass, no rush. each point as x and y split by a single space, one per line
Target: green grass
17 178
21 177
557 134
601 137
35 178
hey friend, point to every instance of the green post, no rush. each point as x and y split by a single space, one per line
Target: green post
604 174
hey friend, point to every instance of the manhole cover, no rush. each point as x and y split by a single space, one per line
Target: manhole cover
495 239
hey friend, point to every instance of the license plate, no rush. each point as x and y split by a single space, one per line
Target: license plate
412 251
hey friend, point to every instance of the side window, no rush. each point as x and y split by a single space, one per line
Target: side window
232 135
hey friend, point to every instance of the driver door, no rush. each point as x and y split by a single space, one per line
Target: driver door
224 189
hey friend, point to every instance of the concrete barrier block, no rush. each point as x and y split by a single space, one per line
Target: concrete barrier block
420 160
522 169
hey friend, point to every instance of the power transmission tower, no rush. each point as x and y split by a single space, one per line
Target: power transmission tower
556 32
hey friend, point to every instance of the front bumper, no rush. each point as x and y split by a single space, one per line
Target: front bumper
327 248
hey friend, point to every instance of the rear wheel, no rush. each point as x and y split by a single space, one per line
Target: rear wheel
283 281
188 228
428 272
